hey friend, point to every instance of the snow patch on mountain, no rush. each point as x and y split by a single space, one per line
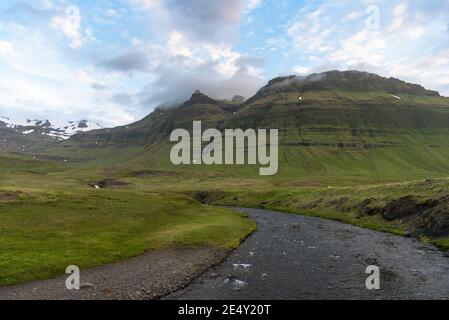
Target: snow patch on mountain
8 122
45 127
396 97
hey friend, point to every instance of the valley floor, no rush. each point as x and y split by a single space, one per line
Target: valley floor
55 217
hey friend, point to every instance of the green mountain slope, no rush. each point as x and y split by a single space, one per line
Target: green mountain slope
331 124
12 140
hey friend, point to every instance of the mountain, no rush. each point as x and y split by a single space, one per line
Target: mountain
333 123
45 127
33 135
337 80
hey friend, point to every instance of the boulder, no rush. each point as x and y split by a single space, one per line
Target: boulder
365 208
202 196
398 209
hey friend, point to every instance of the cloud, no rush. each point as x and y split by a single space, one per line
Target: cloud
365 46
176 46
301 70
43 82
22 12
112 13
70 25
179 65
203 21
123 99
409 36
131 60
6 48
175 86
354 15
164 60
99 87
253 4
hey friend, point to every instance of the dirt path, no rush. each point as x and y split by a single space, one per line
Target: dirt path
149 276
295 257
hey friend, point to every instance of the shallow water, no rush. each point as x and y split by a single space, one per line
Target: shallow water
296 257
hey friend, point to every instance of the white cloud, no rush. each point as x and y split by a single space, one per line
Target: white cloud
301 70
354 15
85 77
6 48
253 4
416 32
182 57
365 46
405 45
400 9
176 46
186 55
47 4
70 24
112 13
39 82
201 21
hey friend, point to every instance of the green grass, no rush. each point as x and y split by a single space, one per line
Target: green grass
15 163
309 202
42 233
442 243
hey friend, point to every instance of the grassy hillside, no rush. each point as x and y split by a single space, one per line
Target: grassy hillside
335 130
13 140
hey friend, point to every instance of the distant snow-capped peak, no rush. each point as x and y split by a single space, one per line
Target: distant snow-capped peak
45 127
7 121
74 127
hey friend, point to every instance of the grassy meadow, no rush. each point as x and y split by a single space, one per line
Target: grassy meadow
54 219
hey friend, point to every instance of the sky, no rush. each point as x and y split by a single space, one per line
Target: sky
114 61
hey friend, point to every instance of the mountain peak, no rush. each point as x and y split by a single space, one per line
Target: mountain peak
238 99
200 98
277 80
39 123
351 80
46 128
